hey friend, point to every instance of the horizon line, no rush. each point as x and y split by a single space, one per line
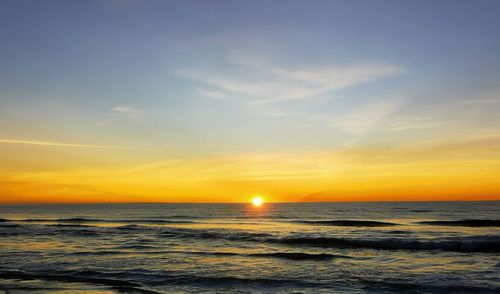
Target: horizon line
249 202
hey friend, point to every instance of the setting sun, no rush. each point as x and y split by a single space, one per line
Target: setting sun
257 201
287 146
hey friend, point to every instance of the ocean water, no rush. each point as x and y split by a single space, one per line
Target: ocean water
442 247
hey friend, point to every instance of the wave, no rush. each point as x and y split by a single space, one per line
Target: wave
153 221
70 225
64 220
298 255
136 246
131 228
225 282
484 243
465 223
154 277
278 255
229 235
94 220
127 282
10 225
181 216
122 286
348 223
488 244
9 234
82 233
399 232
383 286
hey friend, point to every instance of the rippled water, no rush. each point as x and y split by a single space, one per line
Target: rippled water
237 248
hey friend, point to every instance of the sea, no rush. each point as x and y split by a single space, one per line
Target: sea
378 247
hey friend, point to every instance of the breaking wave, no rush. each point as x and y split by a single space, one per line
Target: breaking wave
465 223
348 223
279 255
459 244
93 220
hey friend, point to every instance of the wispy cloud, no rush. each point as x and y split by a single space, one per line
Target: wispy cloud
486 96
412 123
127 111
481 101
378 115
58 144
263 87
259 82
364 118
215 94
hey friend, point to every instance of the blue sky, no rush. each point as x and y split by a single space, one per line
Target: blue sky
248 70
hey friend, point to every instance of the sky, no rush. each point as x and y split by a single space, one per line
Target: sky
216 101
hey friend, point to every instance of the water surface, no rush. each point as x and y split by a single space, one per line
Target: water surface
238 248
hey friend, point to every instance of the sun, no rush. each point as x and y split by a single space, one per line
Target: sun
257 201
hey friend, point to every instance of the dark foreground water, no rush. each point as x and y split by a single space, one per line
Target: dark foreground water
237 248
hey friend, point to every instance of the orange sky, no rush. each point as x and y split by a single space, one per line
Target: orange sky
427 172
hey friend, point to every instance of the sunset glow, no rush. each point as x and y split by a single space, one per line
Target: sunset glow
257 201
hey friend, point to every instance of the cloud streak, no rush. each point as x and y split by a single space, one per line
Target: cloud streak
127 111
364 118
480 101
58 144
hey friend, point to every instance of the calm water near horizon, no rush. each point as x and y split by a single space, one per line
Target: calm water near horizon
238 248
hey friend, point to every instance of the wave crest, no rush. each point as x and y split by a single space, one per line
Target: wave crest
465 223
348 223
465 244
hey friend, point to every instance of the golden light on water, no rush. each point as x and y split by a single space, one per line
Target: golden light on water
257 201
